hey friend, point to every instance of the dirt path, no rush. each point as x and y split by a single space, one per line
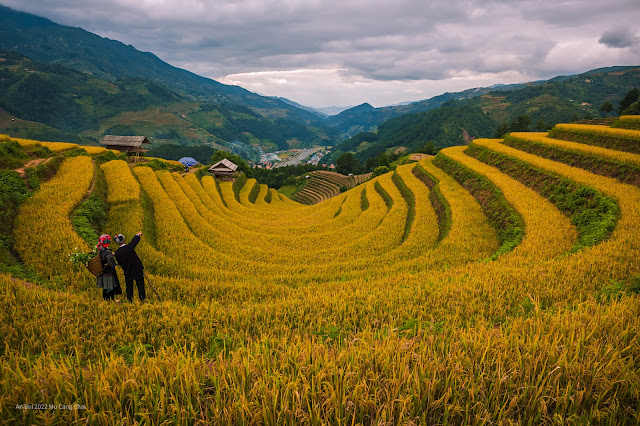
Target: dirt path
191 171
93 183
31 163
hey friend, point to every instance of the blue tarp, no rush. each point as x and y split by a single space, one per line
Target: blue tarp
188 161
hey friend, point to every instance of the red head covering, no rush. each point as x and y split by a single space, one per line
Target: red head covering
103 242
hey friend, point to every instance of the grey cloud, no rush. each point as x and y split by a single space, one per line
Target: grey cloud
375 39
619 38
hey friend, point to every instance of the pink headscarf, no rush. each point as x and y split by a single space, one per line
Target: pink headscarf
103 242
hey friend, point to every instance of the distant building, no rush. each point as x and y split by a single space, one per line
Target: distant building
224 169
131 145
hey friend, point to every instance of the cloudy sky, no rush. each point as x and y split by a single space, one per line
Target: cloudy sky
346 52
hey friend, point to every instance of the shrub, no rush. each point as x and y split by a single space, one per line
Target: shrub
380 170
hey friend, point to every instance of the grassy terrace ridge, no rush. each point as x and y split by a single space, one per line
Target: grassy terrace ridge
601 161
409 198
506 221
444 292
604 136
439 203
385 196
364 201
631 122
593 214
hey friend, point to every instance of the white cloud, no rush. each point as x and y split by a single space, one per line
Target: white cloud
339 87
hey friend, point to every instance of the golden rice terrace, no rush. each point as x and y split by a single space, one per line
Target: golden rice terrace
493 284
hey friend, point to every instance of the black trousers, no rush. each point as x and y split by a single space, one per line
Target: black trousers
108 294
139 279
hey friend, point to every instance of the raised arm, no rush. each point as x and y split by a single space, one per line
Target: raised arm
135 240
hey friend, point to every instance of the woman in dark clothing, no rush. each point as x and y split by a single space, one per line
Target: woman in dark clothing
108 280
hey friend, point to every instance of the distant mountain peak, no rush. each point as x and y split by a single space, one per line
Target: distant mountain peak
358 109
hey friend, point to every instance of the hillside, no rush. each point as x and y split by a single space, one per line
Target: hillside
497 282
114 81
45 41
76 103
444 126
365 118
565 94
562 99
320 185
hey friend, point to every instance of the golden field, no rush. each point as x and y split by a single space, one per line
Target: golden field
378 306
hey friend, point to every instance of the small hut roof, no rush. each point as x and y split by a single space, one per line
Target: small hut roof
133 141
223 165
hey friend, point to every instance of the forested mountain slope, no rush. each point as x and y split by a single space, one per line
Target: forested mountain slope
104 71
562 99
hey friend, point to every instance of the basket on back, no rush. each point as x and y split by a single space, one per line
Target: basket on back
94 265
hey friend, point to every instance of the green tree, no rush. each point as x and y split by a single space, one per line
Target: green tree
606 108
202 153
383 160
380 170
347 163
541 126
631 97
634 109
428 148
520 124
370 164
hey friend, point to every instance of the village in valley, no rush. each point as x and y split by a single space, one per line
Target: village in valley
292 157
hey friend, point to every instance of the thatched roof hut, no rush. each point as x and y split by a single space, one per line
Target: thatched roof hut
128 144
224 168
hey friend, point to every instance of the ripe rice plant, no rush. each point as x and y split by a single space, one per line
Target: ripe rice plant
600 130
605 136
170 162
94 150
593 214
357 310
541 138
121 185
60 146
43 231
25 142
547 231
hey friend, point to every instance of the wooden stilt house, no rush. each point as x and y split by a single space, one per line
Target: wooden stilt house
131 145
224 169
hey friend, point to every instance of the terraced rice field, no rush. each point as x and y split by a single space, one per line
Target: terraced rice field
495 283
322 185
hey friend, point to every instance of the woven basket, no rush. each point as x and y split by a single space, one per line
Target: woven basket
95 265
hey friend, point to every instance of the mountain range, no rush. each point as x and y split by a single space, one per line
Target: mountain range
455 118
69 84
191 110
